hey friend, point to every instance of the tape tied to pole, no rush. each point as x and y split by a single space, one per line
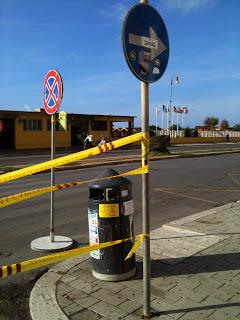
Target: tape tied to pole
70 158
19 197
28 265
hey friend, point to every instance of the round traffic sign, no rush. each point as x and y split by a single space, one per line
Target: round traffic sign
53 91
1 126
145 43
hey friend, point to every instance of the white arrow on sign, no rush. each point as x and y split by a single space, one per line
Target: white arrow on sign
153 43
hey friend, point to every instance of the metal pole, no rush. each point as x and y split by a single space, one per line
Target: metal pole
145 203
156 118
170 105
52 177
145 199
162 119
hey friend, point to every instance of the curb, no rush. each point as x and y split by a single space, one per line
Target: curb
121 161
43 300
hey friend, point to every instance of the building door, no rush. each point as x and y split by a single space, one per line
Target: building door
7 136
79 129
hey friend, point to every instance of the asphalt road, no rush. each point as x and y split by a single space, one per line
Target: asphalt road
30 157
179 188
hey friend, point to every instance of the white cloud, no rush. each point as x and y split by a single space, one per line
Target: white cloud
27 108
117 11
189 5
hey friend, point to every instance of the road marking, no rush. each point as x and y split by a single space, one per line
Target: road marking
185 196
233 178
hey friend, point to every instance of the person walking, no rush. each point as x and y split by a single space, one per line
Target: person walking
103 141
88 142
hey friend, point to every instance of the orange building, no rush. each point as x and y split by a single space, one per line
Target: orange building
32 130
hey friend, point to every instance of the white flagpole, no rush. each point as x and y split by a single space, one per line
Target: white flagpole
177 121
167 120
156 119
162 118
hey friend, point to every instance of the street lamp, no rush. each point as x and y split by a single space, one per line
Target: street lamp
170 102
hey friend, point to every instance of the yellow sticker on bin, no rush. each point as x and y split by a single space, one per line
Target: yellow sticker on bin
109 210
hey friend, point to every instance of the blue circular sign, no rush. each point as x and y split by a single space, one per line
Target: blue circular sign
145 43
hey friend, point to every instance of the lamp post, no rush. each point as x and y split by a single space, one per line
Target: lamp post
170 120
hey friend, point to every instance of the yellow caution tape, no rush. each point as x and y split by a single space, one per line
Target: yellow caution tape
13 269
136 246
145 149
18 197
70 158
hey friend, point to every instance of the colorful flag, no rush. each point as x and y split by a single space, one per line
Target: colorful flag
164 108
157 110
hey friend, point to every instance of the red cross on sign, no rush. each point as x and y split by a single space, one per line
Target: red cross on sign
53 91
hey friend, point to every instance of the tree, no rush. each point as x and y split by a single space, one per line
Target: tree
224 124
211 122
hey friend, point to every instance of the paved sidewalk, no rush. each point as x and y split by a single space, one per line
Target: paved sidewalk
195 274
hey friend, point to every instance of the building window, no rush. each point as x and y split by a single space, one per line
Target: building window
32 125
57 125
99 125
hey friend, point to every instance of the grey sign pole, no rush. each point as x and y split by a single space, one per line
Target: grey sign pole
52 177
145 199
146 49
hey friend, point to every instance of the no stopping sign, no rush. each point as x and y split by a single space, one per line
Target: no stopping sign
53 91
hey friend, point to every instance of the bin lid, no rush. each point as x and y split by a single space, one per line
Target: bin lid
109 183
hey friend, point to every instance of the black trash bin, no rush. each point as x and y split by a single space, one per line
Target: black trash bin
110 217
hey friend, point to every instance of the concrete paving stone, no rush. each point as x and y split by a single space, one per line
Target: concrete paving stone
167 296
226 276
132 317
218 293
84 286
186 303
231 289
87 301
63 302
219 315
166 308
163 317
107 310
112 286
75 295
85 275
67 278
109 297
164 284
197 315
132 294
72 309
195 295
85 315
67 265
63 288
85 265
130 306
206 277
189 283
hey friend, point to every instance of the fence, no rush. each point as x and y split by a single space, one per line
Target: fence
202 134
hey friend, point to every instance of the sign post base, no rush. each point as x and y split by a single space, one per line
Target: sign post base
44 244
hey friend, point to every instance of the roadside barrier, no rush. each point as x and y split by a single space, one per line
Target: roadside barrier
71 158
19 197
13 269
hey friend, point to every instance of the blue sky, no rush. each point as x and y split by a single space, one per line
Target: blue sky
82 39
